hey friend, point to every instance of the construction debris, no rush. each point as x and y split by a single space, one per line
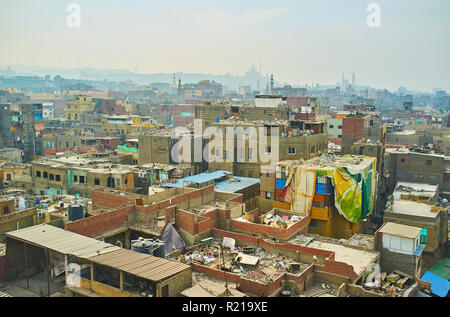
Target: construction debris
248 261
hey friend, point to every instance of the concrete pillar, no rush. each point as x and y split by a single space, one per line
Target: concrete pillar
92 271
121 280
127 244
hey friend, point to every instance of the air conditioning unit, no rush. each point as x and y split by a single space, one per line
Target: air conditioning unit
41 214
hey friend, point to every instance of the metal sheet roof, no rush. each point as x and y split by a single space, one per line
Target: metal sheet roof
226 186
61 241
70 243
139 264
439 286
200 178
399 230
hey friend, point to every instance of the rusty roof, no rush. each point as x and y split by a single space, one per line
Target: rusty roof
140 264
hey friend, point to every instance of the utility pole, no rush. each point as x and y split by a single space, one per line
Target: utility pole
227 291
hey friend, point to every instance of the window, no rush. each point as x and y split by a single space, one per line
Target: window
331 126
96 181
126 180
340 136
45 175
339 127
268 149
8 177
38 173
400 175
6 210
58 178
51 177
82 180
313 149
267 195
415 176
432 177
250 153
291 150
75 178
429 162
402 160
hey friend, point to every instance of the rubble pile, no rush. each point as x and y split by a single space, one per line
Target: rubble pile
392 285
250 262
280 222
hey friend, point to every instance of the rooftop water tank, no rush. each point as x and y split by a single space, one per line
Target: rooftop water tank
159 249
75 212
142 246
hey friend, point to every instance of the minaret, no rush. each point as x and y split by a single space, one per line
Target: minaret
180 92
271 83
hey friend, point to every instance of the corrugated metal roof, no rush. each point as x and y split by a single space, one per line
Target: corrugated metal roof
199 178
66 242
139 264
61 241
226 186
399 230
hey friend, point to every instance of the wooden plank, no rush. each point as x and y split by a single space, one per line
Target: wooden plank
404 274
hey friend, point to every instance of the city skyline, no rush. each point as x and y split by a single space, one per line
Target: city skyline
300 42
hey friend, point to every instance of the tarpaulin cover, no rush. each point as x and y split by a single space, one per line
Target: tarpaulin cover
304 185
172 239
354 191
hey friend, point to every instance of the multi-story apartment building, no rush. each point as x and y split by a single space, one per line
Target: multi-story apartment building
79 105
318 190
419 166
295 139
21 127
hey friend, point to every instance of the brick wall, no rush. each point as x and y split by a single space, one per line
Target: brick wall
339 268
214 273
278 233
112 200
185 220
105 222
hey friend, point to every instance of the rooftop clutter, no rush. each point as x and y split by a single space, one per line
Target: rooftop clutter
248 261
352 179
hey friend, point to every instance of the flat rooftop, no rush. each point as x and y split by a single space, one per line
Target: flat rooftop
354 163
400 230
235 184
413 208
230 185
358 259
416 189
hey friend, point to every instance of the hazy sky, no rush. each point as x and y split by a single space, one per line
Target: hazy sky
299 41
